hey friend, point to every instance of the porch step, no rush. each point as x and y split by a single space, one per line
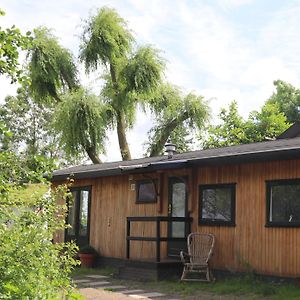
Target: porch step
137 274
145 271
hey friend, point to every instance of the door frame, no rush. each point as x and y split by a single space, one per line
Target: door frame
171 181
75 237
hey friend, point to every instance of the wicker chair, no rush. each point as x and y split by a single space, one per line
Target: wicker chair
200 249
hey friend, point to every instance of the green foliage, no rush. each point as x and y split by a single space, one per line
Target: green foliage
234 130
230 132
28 122
177 117
105 39
143 71
31 265
31 136
80 119
266 124
131 77
11 43
51 67
287 97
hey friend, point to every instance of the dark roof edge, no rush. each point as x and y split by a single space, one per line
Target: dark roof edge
267 155
291 132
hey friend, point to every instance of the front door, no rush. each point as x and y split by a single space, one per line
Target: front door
177 208
78 216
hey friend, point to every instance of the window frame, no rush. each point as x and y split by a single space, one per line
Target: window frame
138 184
211 222
269 184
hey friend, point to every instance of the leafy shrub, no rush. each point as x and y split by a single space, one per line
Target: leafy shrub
31 265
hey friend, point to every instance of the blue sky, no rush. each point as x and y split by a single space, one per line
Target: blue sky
222 49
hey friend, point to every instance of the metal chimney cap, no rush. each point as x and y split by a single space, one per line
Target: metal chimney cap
170 148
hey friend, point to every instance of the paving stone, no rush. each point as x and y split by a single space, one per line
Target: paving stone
96 276
138 297
115 287
132 291
97 283
81 280
152 295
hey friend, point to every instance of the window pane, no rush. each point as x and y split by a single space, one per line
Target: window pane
285 203
216 203
83 214
146 192
178 208
72 213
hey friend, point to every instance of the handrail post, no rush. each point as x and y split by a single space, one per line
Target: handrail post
127 239
157 240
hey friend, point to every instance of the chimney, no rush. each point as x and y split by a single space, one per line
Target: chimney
170 148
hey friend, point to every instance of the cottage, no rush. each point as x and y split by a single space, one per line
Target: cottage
140 211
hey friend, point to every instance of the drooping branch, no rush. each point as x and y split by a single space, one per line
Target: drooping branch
165 131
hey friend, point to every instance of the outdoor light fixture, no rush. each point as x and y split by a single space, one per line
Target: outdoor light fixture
170 148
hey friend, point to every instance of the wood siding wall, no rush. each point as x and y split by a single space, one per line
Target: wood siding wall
249 245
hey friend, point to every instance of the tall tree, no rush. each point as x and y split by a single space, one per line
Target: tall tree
54 82
130 77
32 137
287 97
176 117
268 123
231 130
29 123
234 130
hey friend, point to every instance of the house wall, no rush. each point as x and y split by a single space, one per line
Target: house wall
249 245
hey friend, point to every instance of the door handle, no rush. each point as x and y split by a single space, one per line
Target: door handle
169 208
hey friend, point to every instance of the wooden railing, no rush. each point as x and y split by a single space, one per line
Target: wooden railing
158 239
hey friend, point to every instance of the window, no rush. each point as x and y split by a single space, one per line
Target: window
283 203
78 215
145 191
217 204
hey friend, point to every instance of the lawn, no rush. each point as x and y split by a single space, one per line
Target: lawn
240 287
29 192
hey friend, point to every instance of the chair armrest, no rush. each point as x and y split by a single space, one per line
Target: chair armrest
184 257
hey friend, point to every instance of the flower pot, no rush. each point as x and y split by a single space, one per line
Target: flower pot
87 260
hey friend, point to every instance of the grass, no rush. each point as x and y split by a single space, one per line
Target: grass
29 192
106 271
242 287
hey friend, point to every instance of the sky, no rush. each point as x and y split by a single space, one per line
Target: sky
224 50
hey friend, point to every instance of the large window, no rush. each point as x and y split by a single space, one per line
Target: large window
217 204
283 203
78 215
146 191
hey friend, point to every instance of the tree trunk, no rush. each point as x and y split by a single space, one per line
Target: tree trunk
165 133
91 152
121 125
124 148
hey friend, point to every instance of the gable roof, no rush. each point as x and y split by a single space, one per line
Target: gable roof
263 151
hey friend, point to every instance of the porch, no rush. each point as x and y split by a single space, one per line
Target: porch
161 265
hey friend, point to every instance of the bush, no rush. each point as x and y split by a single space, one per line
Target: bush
31 265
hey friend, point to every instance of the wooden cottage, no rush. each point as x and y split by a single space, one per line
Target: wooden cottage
140 211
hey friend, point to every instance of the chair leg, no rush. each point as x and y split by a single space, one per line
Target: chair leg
207 274
212 278
184 272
